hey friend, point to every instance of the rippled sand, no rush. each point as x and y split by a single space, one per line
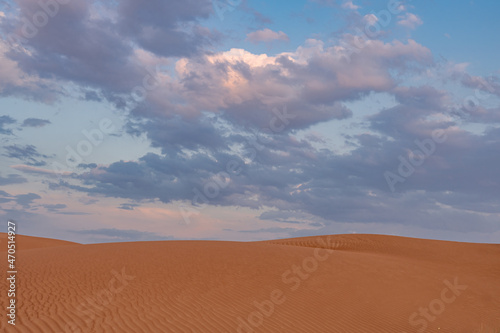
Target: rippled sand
341 283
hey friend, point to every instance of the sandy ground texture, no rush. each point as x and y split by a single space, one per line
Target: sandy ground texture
340 283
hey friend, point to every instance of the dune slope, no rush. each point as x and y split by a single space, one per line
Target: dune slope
341 283
29 242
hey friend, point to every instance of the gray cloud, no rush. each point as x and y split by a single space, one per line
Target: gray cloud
73 213
119 235
225 107
457 183
166 28
128 206
55 207
12 179
26 200
100 55
87 165
270 230
35 122
92 96
6 120
27 154
59 209
490 84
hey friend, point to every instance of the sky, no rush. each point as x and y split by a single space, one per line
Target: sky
248 120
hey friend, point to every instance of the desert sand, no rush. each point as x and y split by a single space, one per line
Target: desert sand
340 283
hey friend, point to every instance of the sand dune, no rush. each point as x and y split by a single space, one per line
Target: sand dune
28 242
341 283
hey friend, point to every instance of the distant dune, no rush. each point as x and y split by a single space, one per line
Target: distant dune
341 283
28 242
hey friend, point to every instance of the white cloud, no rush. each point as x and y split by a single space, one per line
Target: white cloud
349 5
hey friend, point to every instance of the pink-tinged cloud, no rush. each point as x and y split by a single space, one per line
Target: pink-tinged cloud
410 21
266 35
246 87
36 170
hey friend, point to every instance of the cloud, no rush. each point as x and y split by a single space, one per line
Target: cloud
121 235
4 198
489 84
87 166
101 55
12 179
16 82
27 154
6 120
88 201
258 16
254 111
54 207
329 3
166 28
350 5
268 230
25 200
92 96
266 35
35 122
128 206
40 171
210 94
294 217
72 213
241 94
292 176
409 20
4 194
370 19
239 90
480 114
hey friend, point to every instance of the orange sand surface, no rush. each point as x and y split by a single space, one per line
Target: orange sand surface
340 283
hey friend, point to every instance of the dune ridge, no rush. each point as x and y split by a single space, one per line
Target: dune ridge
29 242
338 283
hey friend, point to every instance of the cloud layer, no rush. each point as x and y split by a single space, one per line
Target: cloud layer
236 128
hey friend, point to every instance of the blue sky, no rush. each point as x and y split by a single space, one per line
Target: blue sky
250 120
